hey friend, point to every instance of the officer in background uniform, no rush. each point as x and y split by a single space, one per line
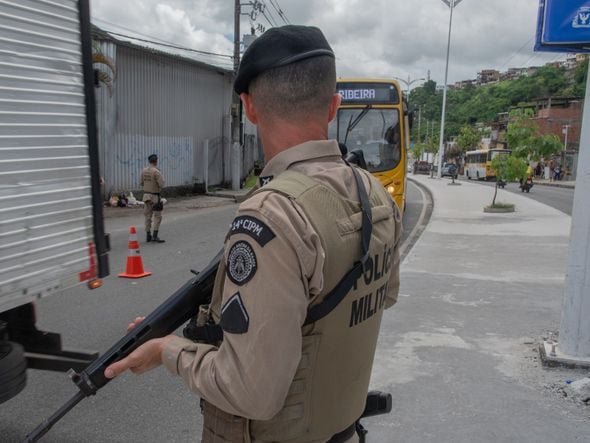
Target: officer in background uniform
152 183
310 263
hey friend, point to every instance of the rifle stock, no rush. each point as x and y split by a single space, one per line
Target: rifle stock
165 319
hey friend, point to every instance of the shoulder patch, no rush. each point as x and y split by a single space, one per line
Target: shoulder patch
265 180
234 317
253 227
241 263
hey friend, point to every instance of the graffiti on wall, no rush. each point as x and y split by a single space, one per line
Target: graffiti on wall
128 156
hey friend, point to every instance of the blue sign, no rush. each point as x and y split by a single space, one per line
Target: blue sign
563 26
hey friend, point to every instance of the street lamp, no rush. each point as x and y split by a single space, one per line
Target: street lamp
451 4
408 83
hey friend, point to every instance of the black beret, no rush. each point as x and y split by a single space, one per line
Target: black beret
279 47
153 158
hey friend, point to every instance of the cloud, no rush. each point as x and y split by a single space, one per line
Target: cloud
378 38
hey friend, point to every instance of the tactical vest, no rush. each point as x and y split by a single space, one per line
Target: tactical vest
329 390
150 185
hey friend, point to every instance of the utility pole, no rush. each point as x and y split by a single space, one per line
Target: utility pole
408 83
419 121
441 147
574 331
235 98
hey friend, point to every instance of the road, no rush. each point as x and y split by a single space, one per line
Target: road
558 198
154 407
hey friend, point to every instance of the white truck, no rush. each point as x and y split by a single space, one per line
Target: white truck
51 226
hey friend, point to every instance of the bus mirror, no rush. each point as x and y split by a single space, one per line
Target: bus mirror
356 157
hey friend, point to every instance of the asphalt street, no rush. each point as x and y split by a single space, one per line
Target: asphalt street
154 407
558 198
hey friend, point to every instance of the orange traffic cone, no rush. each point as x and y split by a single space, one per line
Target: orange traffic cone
134 267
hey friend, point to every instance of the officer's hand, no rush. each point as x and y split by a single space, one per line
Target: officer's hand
145 358
134 323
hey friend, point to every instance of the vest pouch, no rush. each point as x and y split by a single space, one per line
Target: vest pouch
221 427
293 420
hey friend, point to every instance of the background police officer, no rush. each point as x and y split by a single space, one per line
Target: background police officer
152 183
285 370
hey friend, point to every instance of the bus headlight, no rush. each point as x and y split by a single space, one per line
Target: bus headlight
390 189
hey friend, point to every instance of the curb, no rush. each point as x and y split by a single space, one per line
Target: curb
555 185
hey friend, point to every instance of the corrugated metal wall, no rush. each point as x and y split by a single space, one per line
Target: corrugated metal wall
160 105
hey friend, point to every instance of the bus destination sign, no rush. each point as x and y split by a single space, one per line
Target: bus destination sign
367 93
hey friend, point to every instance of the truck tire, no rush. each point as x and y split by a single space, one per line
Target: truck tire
13 370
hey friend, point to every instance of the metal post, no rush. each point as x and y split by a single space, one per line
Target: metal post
451 4
574 332
236 166
206 164
419 121
236 99
237 13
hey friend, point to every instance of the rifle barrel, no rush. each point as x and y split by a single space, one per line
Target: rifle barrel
46 425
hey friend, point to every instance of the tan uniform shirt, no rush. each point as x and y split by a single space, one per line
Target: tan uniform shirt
250 373
152 182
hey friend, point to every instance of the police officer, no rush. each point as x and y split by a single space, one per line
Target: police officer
152 183
310 263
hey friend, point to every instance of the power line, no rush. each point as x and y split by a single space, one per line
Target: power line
517 52
265 10
268 20
276 6
170 45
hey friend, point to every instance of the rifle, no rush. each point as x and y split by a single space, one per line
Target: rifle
165 319
179 308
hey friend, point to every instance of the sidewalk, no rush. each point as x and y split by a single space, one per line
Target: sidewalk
459 352
216 197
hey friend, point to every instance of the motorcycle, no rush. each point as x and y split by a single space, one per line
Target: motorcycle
526 185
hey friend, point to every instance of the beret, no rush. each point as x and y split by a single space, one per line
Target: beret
279 47
153 158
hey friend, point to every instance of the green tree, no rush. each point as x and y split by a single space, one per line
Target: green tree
525 143
508 168
468 138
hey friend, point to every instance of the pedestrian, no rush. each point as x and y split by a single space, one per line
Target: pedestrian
551 170
557 173
284 372
538 170
152 183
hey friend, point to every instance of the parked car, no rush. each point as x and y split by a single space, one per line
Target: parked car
421 167
449 170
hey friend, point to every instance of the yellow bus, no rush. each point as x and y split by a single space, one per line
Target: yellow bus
373 118
478 163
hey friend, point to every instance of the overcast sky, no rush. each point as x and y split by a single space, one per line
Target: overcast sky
371 38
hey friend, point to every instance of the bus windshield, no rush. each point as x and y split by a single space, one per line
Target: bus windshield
374 131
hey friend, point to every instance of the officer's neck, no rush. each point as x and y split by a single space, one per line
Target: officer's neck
281 135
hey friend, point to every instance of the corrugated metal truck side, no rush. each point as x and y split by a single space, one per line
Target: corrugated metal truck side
51 227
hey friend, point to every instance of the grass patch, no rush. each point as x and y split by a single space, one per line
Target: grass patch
499 205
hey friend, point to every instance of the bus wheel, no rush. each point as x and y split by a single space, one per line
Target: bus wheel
13 367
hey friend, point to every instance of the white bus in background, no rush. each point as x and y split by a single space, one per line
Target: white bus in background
478 163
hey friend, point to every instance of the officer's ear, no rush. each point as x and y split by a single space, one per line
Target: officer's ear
249 107
334 104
